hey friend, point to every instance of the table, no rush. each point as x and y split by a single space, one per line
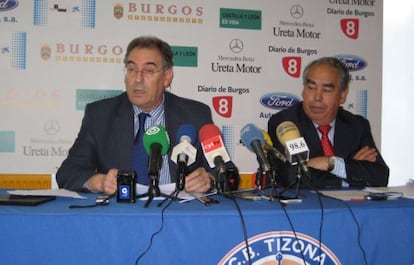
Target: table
192 233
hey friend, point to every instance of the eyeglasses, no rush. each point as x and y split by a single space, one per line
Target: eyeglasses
147 72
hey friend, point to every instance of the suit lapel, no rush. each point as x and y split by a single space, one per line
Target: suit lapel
341 129
124 128
171 123
171 120
309 132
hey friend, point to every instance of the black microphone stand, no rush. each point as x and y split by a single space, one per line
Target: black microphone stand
153 190
297 184
260 186
273 174
269 174
222 175
154 166
259 176
182 172
259 181
222 182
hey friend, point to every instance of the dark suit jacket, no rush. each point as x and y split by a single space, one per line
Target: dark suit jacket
105 139
352 132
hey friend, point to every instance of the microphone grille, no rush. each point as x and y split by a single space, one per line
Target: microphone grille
249 133
287 131
156 134
187 130
266 137
208 131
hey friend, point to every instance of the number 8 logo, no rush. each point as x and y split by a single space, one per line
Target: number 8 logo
223 106
292 65
350 27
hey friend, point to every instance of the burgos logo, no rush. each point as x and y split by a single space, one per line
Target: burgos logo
281 248
279 101
6 5
352 62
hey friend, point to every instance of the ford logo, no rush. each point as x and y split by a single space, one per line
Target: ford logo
279 101
352 62
6 5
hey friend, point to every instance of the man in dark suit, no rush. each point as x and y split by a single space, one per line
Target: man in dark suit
105 142
351 157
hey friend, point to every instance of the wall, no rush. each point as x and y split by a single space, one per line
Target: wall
398 77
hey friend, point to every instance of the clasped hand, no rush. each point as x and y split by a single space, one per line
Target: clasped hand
366 153
197 181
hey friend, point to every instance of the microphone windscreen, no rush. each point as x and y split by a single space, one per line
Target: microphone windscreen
287 131
208 131
249 133
187 130
156 134
266 137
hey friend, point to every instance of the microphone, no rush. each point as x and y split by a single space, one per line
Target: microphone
273 155
296 148
156 144
184 153
253 139
215 152
268 147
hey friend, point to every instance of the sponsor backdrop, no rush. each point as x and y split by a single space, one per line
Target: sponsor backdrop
242 58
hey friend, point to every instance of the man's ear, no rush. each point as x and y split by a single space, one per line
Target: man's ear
169 74
343 95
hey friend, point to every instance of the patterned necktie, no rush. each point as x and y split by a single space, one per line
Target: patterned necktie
326 143
139 156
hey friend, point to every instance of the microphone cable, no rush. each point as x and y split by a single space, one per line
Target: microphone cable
318 195
230 195
293 229
158 231
364 255
321 222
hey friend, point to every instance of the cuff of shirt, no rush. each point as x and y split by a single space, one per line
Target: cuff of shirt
339 169
85 186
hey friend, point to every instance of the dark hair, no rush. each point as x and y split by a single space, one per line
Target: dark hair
344 77
152 42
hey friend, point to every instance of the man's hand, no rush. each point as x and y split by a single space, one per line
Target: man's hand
197 181
103 183
320 162
366 153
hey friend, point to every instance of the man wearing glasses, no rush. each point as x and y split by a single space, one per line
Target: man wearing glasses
105 143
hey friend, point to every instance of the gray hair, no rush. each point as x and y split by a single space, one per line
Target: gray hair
344 77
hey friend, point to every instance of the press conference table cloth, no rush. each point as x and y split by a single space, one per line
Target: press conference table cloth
192 233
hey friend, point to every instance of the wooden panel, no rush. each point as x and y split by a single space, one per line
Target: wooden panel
25 181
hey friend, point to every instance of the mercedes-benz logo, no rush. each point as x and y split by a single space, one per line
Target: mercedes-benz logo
51 127
296 11
236 45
